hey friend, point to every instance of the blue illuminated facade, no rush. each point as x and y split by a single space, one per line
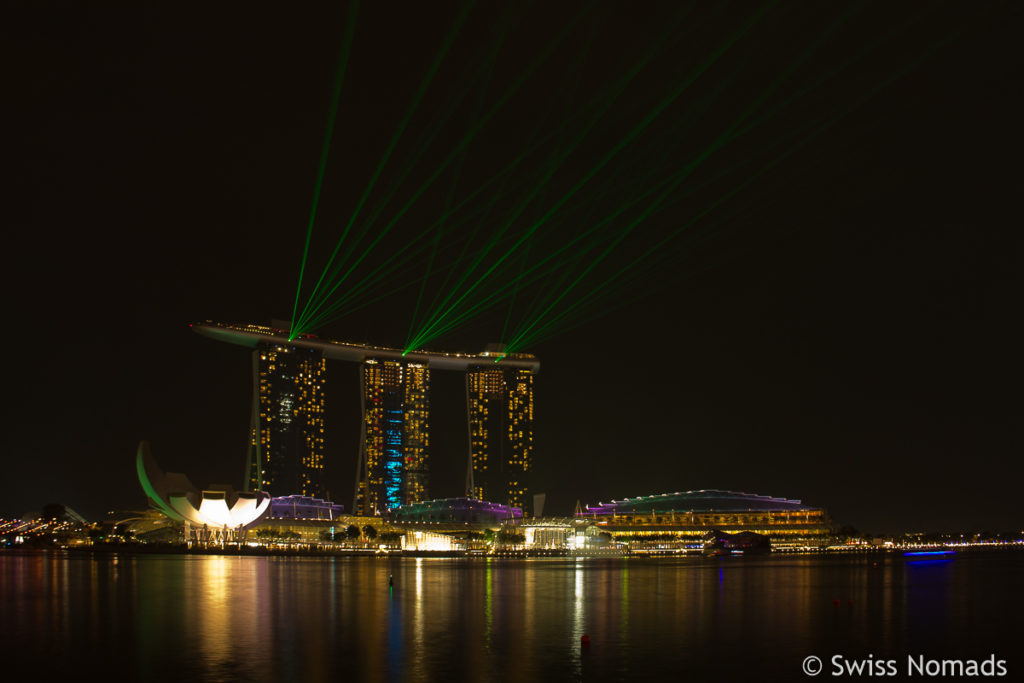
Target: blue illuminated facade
393 458
393 468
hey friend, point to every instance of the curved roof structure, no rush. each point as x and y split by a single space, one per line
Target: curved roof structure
705 500
176 497
253 335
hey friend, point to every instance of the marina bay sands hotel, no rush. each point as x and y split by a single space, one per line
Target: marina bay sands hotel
286 449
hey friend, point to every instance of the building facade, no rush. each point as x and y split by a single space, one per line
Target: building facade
499 403
394 459
304 507
286 444
416 433
463 510
689 515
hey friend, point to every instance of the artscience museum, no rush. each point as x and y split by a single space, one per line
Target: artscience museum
215 514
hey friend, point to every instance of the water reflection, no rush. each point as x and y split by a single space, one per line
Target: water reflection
419 617
208 618
574 641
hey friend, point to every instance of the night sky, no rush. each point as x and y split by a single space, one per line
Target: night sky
843 329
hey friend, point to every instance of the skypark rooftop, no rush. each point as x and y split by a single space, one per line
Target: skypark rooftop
252 335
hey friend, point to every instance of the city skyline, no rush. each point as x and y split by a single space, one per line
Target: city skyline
845 335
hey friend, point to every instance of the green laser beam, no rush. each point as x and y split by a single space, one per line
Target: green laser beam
536 271
721 141
474 266
752 107
340 281
453 188
392 264
439 221
339 78
382 272
553 134
522 341
456 176
434 321
424 85
425 142
458 148
637 130
560 267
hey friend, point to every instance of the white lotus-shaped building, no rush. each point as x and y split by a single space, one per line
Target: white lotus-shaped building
213 510
217 513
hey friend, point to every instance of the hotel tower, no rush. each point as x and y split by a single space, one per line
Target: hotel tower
393 468
286 432
499 406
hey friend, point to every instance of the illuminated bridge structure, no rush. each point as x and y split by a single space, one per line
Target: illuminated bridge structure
393 464
691 514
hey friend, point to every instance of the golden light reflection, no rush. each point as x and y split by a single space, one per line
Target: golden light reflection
577 618
488 604
213 610
624 598
418 616
309 619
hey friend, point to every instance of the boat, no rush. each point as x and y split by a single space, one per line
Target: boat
718 543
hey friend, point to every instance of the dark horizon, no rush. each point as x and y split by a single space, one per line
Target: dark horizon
842 333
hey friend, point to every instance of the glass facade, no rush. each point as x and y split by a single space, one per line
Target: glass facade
286 449
499 403
394 464
690 513
464 510
304 507
416 432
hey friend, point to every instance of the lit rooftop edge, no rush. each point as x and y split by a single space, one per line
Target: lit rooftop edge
252 335
704 499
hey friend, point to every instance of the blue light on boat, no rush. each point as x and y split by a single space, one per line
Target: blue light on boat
926 553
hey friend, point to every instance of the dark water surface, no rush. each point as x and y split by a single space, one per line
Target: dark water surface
212 618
